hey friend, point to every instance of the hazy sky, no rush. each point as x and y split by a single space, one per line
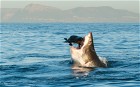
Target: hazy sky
131 5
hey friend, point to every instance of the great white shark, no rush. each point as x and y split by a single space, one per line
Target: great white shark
86 56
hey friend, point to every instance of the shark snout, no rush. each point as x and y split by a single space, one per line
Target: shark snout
90 34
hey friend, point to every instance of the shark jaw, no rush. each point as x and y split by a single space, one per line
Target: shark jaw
86 56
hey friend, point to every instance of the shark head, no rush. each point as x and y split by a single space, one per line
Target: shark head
86 55
88 41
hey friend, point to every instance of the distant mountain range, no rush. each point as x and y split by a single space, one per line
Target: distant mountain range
41 13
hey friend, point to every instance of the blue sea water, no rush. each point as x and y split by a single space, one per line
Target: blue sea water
35 55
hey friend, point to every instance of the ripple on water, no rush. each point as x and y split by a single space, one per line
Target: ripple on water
35 55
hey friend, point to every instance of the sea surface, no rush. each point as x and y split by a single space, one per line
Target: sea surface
35 55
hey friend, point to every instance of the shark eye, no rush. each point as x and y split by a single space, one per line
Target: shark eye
90 42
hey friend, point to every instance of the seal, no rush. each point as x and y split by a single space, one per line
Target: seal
74 39
86 56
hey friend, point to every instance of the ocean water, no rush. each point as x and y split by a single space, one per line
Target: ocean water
35 55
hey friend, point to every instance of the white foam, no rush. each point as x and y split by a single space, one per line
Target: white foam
103 59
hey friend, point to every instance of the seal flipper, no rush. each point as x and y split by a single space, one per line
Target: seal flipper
68 41
70 44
